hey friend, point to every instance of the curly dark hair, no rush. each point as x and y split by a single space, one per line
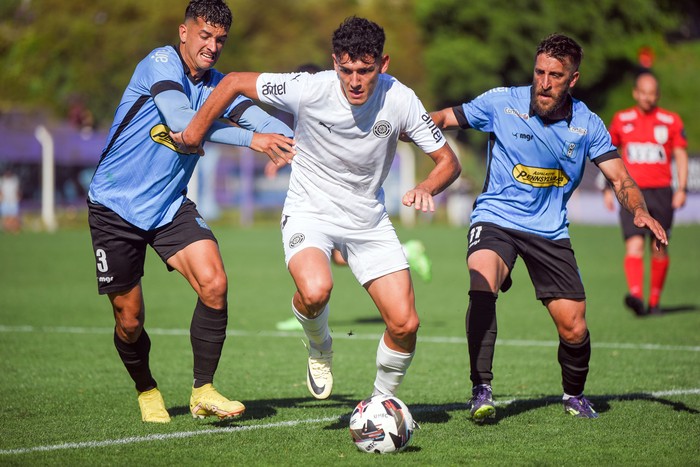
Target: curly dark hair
214 12
360 38
560 47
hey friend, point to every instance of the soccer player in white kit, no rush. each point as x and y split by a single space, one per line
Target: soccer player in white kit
348 123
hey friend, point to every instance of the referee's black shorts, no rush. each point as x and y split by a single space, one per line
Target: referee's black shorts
660 205
550 263
120 247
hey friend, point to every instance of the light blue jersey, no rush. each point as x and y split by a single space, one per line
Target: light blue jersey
533 166
141 176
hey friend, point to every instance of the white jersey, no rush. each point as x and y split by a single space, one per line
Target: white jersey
344 152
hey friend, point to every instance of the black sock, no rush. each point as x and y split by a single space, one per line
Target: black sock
481 335
135 359
207 335
574 359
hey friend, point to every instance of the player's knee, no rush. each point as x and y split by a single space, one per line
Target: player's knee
404 330
213 289
574 334
316 296
129 329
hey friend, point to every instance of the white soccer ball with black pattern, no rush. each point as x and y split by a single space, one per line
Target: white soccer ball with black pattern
381 424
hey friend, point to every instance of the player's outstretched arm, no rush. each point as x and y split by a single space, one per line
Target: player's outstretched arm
220 98
447 169
630 197
445 119
278 148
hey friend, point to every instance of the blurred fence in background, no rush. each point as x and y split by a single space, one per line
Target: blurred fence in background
233 178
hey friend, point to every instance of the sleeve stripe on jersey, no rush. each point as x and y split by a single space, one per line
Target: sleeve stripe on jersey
461 118
606 157
127 119
237 112
167 85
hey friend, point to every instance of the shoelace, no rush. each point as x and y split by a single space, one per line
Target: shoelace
319 366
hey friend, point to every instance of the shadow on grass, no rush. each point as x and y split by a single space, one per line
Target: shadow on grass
600 403
679 309
265 408
427 413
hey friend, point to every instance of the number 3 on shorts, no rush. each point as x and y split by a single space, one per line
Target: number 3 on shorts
101 256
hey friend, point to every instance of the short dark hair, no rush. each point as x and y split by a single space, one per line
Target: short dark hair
214 12
359 38
309 68
560 47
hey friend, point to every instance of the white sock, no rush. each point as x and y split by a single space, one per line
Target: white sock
391 368
316 329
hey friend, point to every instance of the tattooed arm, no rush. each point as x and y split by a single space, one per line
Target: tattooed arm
630 197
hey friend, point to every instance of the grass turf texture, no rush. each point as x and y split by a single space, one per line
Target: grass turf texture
63 385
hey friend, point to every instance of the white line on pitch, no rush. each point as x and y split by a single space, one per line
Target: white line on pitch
290 423
336 335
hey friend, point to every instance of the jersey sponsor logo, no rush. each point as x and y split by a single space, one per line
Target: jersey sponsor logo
105 280
270 89
578 130
296 240
493 91
665 118
526 136
661 134
160 57
645 153
326 126
512 111
628 116
381 129
161 135
437 134
295 77
539 177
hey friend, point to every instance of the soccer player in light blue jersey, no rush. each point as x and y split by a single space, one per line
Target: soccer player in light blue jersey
540 139
138 197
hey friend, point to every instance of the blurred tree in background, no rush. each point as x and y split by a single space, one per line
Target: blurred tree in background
474 46
54 52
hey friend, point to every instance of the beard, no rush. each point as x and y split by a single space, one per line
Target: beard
549 108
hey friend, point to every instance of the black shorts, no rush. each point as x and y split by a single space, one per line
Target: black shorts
550 263
120 247
660 204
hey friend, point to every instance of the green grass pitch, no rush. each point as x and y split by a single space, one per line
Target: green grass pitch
67 399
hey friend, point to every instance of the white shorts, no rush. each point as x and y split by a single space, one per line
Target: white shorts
370 253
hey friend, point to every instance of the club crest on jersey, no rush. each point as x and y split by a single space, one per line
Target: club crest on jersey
569 149
161 135
661 134
296 240
381 129
539 177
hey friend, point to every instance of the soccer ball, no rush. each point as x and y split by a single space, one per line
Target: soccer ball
381 424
